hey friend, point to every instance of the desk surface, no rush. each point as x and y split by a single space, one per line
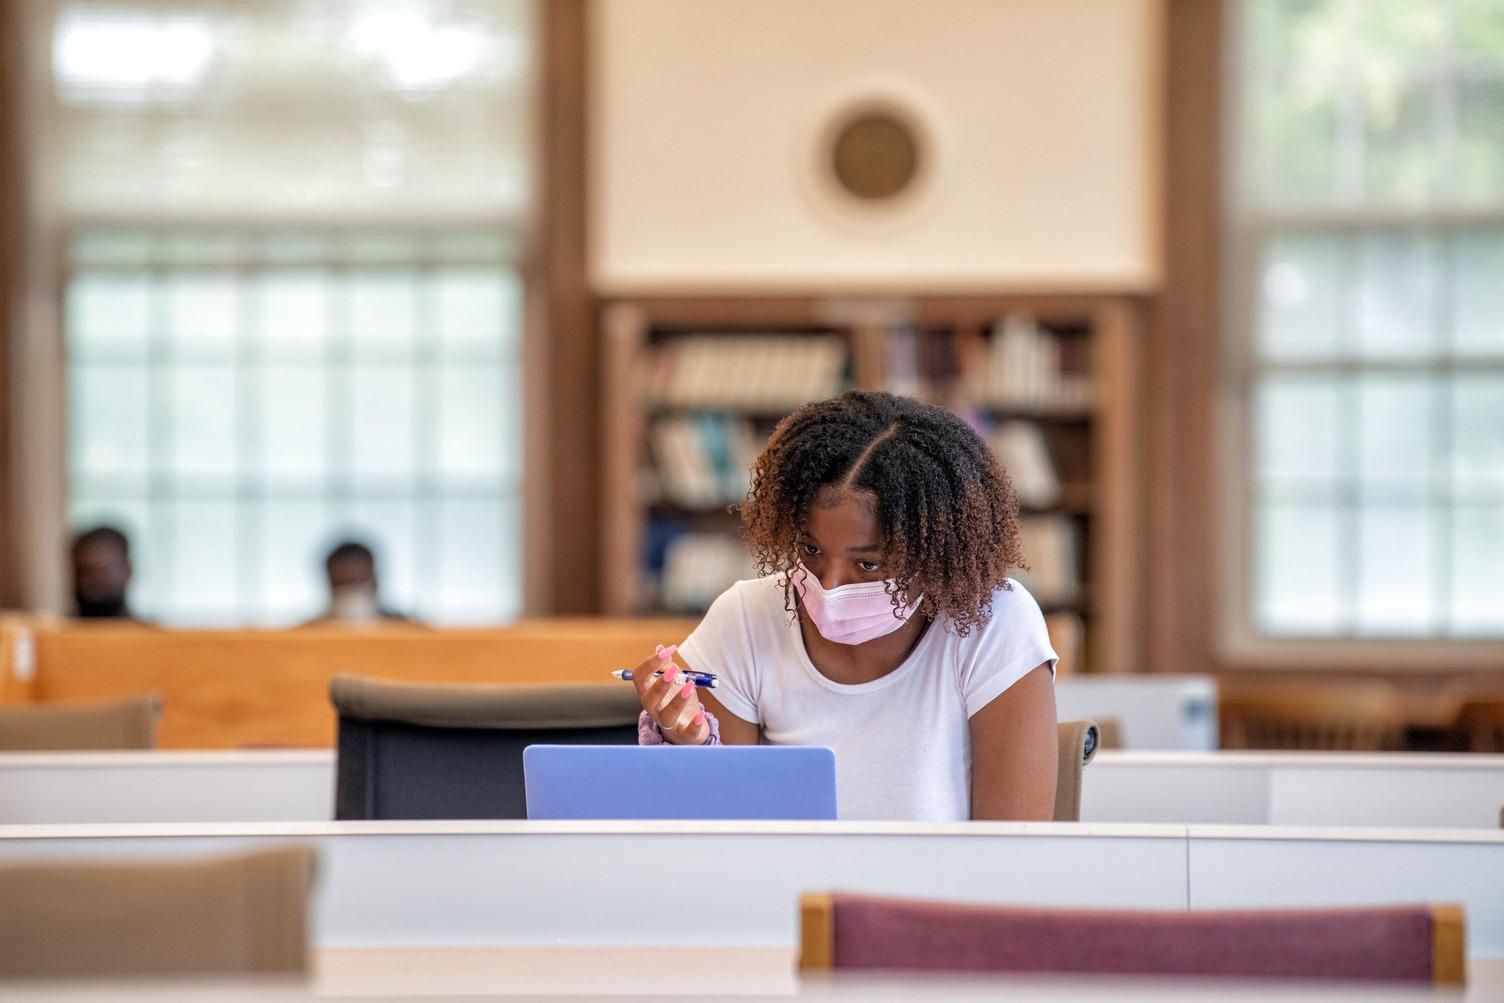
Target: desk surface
565 884
699 974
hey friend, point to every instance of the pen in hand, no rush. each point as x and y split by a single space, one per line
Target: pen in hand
687 675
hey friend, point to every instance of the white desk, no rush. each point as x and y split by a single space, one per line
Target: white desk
1295 788
1179 788
464 884
461 884
161 786
701 974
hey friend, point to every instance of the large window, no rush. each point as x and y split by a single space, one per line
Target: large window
1366 239
291 245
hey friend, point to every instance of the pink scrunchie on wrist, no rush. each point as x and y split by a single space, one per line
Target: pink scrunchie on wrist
648 732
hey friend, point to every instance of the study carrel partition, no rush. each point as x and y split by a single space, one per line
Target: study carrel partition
269 689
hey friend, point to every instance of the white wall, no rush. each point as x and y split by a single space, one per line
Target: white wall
705 113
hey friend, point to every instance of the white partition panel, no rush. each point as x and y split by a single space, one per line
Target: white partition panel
1235 867
262 786
1152 711
1454 792
1181 788
386 884
1295 788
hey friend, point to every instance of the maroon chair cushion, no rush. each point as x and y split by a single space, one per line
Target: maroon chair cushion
1377 943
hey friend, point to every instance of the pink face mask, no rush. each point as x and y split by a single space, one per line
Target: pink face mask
851 614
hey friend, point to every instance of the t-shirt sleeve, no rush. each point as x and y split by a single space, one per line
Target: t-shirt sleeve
1005 649
722 644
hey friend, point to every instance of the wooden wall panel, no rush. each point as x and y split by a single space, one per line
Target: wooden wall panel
569 442
243 689
1180 368
11 238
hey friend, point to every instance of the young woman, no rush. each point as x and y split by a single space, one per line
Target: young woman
885 626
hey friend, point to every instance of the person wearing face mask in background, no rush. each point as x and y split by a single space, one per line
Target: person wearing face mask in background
354 593
886 625
102 574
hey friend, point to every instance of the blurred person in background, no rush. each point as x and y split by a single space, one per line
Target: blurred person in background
354 593
101 573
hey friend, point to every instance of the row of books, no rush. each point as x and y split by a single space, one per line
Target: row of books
701 460
1028 368
1050 550
762 371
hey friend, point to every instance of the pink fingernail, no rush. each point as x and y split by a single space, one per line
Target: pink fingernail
668 652
700 717
658 651
687 690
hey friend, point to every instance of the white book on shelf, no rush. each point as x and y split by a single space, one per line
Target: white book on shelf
669 460
1050 551
1021 447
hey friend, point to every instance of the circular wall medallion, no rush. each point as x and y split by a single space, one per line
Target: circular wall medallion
875 154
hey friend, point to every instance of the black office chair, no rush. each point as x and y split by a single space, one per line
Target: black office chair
455 751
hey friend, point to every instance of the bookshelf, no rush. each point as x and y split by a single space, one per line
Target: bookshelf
694 385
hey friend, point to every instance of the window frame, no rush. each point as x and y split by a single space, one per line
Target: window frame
35 390
244 267
1239 643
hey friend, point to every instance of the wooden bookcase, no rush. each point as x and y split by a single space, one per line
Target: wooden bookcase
942 349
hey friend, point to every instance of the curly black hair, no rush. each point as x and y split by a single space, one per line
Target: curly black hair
946 510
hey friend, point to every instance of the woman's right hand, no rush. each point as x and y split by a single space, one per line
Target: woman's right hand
669 701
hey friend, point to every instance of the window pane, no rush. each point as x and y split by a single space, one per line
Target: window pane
292 425
201 315
1478 428
1296 423
383 313
292 586
381 423
1480 136
293 319
390 529
1396 295
479 561
1300 313
1399 156
1394 435
109 316
203 423
479 311
478 413
205 562
1478 307
1293 129
108 422
1395 593
1297 554
1478 569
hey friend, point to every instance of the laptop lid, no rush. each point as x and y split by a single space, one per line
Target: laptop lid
683 782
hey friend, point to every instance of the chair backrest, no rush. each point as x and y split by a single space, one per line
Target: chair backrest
407 750
1079 741
247 913
1482 721
1416 943
1353 718
117 724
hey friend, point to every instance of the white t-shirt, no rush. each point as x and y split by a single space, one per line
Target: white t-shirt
902 742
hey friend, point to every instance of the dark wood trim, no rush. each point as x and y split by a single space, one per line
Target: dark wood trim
569 443
12 217
1181 373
